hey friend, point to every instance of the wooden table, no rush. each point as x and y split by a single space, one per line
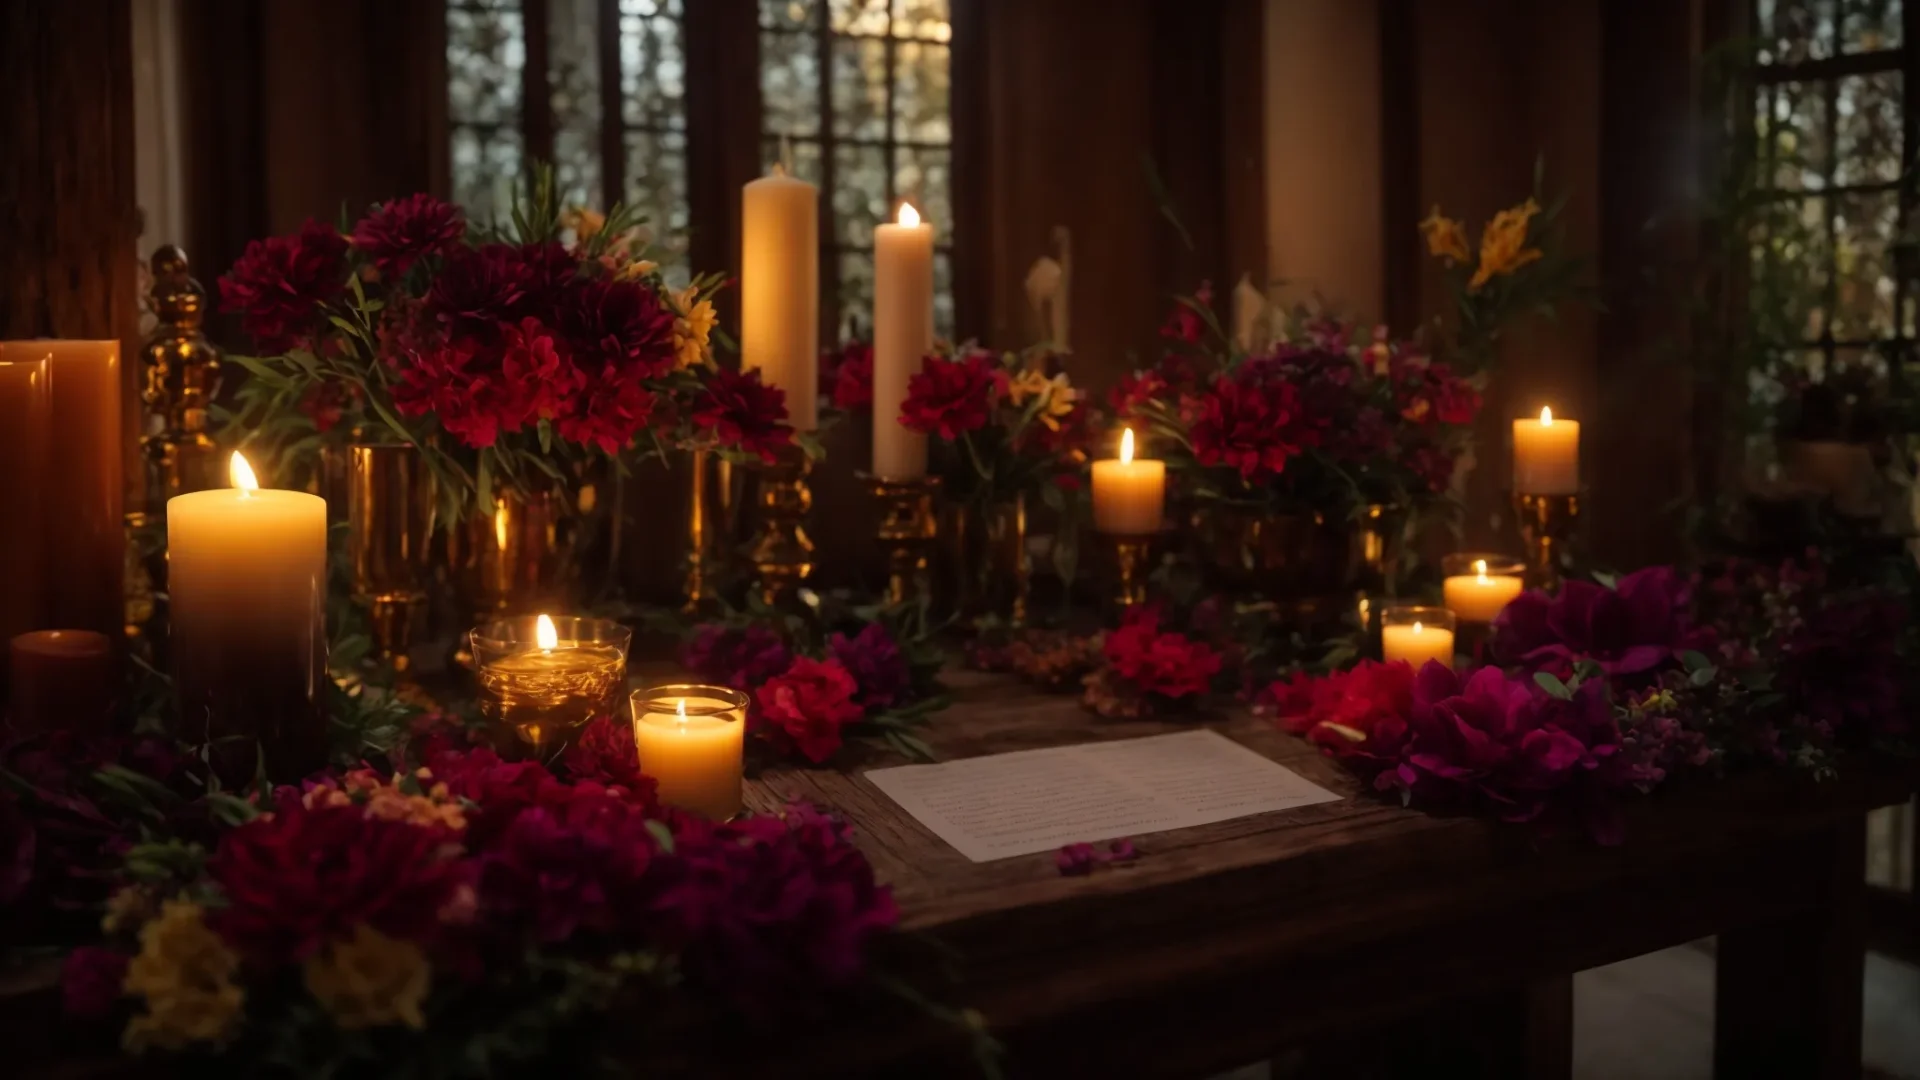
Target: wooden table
1412 943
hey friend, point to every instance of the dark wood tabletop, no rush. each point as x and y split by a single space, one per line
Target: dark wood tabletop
1365 923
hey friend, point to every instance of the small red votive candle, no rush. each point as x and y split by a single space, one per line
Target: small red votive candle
61 680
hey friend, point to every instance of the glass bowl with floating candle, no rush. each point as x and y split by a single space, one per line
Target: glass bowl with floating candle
1417 635
692 740
542 678
1479 584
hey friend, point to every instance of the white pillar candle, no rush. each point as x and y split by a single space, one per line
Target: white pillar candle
1546 456
1478 597
902 336
1129 497
247 580
692 741
780 289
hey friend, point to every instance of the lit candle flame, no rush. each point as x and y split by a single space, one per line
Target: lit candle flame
241 473
681 705
1480 568
908 215
1126 447
544 635
1546 416
1417 627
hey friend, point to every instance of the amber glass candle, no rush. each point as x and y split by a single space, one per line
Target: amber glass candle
247 570
82 513
541 679
692 741
26 404
1478 586
61 680
1417 635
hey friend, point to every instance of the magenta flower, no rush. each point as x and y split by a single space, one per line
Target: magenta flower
740 658
1630 629
90 982
874 661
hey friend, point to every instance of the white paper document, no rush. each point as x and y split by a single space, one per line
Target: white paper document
1003 805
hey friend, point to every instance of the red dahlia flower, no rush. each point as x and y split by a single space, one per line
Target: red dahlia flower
1168 664
1254 426
301 877
589 863
950 397
279 284
805 708
400 233
616 324
846 376
479 289
744 413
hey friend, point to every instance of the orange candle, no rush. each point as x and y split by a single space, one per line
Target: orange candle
26 404
82 517
61 680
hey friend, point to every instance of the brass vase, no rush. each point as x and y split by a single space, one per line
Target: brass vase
984 569
546 548
390 519
1314 568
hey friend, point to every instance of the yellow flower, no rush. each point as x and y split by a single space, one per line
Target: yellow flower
1446 238
693 329
628 271
370 981
185 973
1057 395
1503 246
127 909
586 224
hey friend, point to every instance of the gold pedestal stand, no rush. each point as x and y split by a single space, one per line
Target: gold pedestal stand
781 553
1131 559
907 530
1547 527
390 512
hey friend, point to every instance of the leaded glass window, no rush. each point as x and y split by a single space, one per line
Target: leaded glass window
855 97
612 118
1832 137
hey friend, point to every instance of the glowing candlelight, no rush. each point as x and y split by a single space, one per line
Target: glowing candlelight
1417 635
1546 455
902 337
241 474
1477 587
692 741
544 635
542 679
1129 497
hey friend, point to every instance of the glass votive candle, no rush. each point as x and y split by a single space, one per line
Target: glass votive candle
693 741
541 679
1417 635
1478 584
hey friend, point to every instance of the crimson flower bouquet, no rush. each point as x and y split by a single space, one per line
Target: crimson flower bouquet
1328 420
998 425
459 915
1611 687
811 693
508 354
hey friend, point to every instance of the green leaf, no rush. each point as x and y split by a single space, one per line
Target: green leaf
662 835
1551 683
1695 661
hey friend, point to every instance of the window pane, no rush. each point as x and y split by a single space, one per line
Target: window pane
859 16
860 88
859 194
1868 113
486 164
486 50
1865 227
922 19
657 182
1796 30
788 14
920 93
1789 271
1869 25
801 158
921 177
1793 130
789 84
943 295
652 70
856 296
648 9
573 81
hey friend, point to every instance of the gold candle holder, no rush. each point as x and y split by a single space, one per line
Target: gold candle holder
542 679
1547 527
1131 560
782 554
908 528
181 377
390 517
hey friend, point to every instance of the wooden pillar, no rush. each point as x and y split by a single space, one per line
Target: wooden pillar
1787 994
68 259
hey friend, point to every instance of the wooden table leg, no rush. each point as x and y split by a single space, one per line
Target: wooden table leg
1787 997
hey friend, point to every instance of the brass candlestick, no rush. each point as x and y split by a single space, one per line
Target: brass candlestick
908 527
1547 526
1131 555
782 555
181 377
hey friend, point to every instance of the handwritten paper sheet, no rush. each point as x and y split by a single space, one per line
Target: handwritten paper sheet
1003 805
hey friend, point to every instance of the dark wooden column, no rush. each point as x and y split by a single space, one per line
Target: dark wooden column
1787 998
67 251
